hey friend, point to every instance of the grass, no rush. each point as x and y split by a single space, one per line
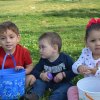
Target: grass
68 18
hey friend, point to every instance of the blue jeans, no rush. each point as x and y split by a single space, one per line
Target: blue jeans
59 90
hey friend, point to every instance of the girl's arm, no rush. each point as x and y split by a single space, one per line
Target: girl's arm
78 63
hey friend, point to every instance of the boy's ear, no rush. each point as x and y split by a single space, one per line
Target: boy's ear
19 37
55 47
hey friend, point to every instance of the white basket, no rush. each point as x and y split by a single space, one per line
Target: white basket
89 88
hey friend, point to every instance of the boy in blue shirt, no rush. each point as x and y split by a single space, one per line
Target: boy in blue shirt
55 62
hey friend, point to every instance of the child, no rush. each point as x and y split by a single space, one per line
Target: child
54 62
89 61
9 39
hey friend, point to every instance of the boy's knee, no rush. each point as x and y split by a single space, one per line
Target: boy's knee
72 90
72 93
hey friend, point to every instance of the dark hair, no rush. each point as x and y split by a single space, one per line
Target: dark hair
53 38
8 25
91 28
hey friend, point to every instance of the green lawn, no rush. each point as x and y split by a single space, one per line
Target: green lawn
68 18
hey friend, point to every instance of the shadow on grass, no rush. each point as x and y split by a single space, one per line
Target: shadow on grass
61 29
65 28
73 13
8 0
8 15
59 1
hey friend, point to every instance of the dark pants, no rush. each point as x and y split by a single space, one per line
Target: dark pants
59 90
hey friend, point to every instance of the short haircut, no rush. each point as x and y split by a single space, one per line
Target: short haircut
53 38
8 25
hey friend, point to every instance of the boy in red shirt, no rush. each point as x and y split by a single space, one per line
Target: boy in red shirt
9 39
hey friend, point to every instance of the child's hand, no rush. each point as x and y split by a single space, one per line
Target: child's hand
93 70
84 70
30 79
19 67
58 77
44 76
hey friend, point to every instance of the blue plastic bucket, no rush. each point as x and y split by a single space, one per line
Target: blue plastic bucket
12 82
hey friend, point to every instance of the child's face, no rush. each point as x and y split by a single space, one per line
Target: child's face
46 49
93 42
9 40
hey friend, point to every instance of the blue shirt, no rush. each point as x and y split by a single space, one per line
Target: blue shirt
62 64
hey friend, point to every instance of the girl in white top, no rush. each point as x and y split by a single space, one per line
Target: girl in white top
88 63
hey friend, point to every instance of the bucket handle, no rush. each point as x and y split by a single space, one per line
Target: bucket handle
5 60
